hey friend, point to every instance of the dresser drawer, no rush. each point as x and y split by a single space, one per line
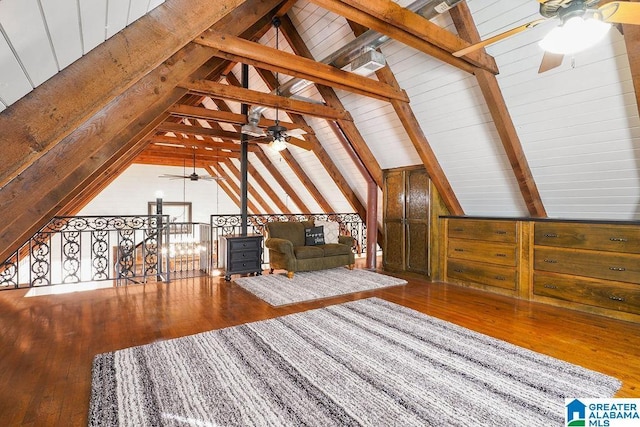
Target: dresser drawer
248 255
486 274
245 266
243 244
602 265
602 237
612 295
474 250
494 231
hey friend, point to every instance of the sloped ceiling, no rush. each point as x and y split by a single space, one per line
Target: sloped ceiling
572 133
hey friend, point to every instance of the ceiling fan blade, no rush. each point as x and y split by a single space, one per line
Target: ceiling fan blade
171 176
621 12
210 178
497 38
550 61
305 145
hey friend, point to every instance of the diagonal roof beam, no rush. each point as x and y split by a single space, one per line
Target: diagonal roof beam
40 120
632 42
504 124
406 20
418 138
297 66
332 99
408 36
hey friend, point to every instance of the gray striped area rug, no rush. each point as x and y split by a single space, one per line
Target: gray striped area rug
363 363
278 289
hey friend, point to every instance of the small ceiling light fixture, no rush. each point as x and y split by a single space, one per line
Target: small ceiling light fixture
580 30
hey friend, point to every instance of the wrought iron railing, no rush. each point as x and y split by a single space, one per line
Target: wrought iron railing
224 225
123 249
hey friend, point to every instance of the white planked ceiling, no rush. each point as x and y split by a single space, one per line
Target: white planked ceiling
41 37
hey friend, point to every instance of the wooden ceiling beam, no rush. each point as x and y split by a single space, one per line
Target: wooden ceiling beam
632 43
179 128
199 143
189 111
490 88
248 96
410 22
383 27
315 71
40 120
181 153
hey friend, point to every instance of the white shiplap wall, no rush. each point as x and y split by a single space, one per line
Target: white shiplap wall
38 38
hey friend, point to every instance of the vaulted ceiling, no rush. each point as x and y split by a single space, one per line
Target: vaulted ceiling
93 87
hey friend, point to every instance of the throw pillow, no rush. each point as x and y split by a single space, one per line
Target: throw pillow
331 230
313 236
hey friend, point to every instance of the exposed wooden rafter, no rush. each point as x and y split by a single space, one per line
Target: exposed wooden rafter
392 27
504 124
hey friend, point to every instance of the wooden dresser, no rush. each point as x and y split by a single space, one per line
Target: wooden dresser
241 254
595 265
483 253
591 266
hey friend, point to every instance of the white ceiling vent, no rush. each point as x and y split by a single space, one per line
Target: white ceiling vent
368 63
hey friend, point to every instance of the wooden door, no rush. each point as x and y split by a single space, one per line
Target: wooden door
417 221
393 206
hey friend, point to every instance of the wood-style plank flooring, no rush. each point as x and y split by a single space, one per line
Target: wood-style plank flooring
47 343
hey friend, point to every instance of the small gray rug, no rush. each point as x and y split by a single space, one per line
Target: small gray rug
278 289
363 363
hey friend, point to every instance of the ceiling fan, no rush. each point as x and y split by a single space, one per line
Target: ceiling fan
193 176
277 134
583 24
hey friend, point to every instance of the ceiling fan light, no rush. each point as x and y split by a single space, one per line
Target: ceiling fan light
278 144
575 35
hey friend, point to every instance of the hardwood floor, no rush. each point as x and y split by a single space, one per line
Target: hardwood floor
47 343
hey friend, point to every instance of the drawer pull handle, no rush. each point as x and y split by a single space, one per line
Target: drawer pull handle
458 229
500 278
615 298
550 261
501 232
617 268
617 239
551 235
458 270
459 250
501 255
548 286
